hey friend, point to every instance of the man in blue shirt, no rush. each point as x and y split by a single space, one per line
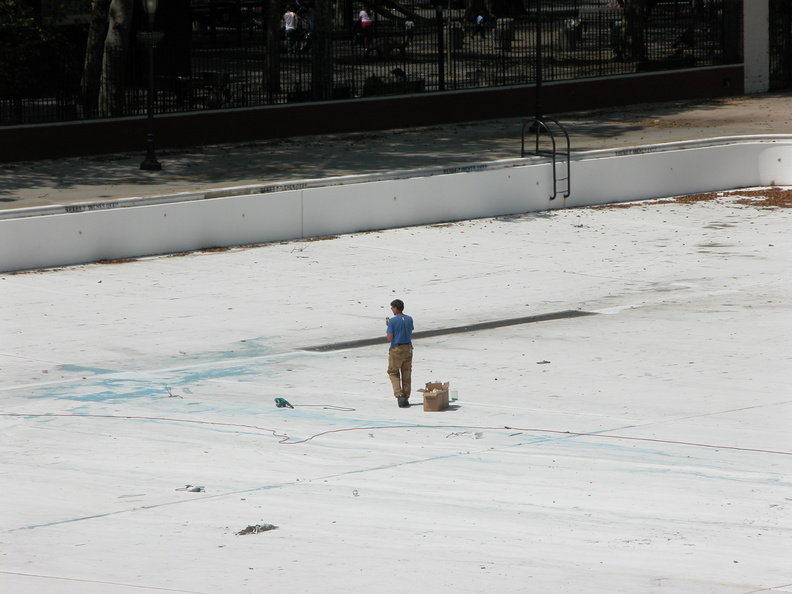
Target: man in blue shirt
400 329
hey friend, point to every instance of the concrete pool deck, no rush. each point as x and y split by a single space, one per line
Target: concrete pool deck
111 177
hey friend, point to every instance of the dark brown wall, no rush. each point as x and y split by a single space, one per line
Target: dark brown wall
70 139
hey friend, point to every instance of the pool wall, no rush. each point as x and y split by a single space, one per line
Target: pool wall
137 227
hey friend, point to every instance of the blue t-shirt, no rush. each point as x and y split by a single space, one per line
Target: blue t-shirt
401 327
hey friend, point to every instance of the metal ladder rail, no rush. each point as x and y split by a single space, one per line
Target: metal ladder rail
553 153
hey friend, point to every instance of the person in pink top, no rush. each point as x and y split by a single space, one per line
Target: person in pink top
366 23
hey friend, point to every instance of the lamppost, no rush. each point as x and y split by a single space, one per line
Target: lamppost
537 126
539 60
150 38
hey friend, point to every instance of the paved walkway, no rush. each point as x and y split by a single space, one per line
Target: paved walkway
104 177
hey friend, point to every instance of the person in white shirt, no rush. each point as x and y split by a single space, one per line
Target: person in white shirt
290 20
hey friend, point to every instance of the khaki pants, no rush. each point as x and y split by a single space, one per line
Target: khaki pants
400 369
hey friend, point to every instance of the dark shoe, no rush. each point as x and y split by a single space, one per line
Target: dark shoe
403 402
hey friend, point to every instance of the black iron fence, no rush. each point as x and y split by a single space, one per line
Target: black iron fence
229 62
780 44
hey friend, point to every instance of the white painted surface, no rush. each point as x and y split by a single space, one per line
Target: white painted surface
645 449
668 173
140 227
756 45
420 200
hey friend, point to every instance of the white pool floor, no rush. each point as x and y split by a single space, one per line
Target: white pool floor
645 448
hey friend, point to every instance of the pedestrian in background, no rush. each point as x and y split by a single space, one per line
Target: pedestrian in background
366 26
479 26
290 20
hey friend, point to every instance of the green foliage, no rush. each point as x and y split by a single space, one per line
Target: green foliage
28 52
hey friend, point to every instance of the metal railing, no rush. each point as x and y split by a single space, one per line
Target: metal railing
228 64
545 131
780 38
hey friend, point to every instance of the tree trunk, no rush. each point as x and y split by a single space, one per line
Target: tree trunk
175 22
112 102
272 67
92 72
635 12
322 55
347 14
509 8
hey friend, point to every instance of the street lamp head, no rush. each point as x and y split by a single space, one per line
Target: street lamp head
150 6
